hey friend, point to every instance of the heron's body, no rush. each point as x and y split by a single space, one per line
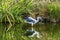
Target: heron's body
31 20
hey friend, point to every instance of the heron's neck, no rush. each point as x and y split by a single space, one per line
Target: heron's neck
37 19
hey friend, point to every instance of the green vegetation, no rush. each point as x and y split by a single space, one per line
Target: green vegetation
54 11
12 11
12 8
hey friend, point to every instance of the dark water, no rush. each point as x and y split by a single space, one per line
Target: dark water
16 32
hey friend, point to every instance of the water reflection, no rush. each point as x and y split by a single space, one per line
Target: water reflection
16 32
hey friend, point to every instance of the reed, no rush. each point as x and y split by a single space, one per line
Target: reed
10 9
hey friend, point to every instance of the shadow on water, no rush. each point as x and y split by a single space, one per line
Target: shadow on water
16 32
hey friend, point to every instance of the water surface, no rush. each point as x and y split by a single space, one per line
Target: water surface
16 32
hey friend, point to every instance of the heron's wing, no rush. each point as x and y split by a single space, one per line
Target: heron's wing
32 18
29 20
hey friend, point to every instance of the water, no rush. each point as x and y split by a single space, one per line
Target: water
16 32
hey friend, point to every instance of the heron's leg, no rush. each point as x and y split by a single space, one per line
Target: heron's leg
32 26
